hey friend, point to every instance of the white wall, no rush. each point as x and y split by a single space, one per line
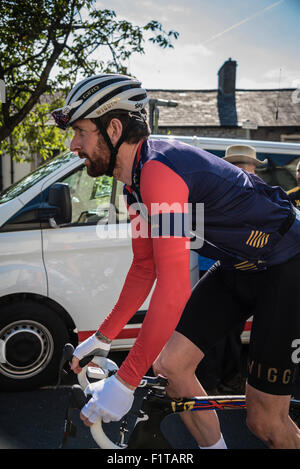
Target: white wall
20 170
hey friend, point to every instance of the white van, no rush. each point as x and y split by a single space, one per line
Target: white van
61 265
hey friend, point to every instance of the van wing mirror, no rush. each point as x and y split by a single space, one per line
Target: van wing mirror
55 210
59 198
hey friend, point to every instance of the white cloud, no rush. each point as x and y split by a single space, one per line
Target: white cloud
181 67
281 77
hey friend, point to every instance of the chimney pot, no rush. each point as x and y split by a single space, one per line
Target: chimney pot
227 77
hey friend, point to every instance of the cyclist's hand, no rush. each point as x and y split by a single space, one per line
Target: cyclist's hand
91 346
76 368
110 401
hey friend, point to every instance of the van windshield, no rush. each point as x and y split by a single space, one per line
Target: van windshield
28 181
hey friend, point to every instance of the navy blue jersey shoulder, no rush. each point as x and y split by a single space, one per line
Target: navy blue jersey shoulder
244 218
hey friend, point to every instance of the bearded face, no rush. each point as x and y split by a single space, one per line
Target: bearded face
89 144
97 161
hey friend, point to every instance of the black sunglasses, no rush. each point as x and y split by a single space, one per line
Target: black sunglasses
61 119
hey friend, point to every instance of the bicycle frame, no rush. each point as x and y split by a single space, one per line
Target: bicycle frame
147 432
156 405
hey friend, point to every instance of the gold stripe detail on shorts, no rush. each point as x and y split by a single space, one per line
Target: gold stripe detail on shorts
245 265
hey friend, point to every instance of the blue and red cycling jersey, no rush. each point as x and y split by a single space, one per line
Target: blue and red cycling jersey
248 225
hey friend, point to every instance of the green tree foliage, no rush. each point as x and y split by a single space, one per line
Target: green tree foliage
45 45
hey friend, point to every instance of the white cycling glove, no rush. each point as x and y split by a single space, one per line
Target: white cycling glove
92 346
110 400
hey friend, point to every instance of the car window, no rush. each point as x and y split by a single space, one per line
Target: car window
90 197
122 215
28 181
283 176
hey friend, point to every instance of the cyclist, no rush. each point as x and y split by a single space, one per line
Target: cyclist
249 226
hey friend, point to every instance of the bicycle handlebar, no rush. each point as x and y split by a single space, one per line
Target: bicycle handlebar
78 397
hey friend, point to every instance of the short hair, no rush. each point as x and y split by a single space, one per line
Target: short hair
135 123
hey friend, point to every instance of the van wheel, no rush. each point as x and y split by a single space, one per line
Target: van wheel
34 336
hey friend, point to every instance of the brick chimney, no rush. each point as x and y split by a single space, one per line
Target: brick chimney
227 77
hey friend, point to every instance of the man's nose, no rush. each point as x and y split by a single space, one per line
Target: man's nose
74 146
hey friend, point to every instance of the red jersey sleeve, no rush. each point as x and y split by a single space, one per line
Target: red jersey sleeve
162 191
138 282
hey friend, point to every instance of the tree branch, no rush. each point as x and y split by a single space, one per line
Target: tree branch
14 120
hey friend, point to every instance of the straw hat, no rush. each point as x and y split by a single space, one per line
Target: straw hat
242 154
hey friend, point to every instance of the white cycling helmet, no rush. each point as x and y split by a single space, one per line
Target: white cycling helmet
99 94
93 97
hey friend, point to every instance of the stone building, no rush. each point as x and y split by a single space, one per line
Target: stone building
269 114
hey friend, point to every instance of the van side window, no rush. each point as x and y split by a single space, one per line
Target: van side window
90 197
122 215
283 176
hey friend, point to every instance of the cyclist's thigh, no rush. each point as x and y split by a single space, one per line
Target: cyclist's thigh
276 324
212 310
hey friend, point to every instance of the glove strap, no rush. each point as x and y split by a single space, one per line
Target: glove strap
102 337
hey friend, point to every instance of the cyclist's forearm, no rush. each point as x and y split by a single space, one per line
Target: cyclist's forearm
167 303
137 287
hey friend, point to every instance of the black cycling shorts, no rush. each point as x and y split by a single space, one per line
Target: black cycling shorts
222 298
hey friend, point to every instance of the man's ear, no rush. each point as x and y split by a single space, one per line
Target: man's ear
115 130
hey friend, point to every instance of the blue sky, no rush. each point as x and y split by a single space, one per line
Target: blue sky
261 35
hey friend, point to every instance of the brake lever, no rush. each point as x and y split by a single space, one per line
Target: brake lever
85 360
77 401
67 354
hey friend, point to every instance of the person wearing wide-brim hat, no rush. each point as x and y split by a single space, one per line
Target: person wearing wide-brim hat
243 156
